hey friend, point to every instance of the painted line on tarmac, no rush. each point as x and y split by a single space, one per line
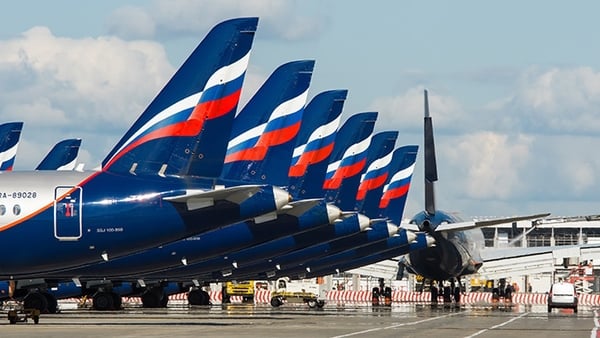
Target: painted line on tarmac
594 333
497 326
393 326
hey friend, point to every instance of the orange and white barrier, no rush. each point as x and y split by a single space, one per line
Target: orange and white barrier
473 298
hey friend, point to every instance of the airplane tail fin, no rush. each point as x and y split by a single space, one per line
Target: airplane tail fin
353 165
197 104
378 174
429 160
392 202
354 135
265 130
10 134
315 142
63 156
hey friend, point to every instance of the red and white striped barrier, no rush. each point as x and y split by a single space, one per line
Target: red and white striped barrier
473 298
469 298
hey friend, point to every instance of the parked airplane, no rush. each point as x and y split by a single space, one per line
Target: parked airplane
282 95
316 145
383 234
276 106
349 140
457 243
9 142
142 195
61 157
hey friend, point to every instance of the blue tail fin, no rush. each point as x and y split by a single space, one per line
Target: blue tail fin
197 104
353 134
63 156
353 165
370 194
393 201
9 142
264 132
315 142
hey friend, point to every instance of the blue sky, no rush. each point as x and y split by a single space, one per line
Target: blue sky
514 85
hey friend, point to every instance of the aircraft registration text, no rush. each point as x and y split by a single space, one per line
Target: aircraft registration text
19 194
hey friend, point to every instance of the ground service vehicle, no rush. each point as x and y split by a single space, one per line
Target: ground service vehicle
562 295
245 289
288 291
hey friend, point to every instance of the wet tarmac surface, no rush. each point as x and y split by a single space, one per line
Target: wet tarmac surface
297 320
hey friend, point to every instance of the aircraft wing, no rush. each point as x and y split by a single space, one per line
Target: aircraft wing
197 199
502 262
386 269
460 226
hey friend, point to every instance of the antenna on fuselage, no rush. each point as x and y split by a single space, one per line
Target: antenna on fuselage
429 160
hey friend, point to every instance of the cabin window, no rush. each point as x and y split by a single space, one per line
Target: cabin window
2 209
17 209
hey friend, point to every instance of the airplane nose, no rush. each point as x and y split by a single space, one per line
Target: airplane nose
333 213
363 222
281 197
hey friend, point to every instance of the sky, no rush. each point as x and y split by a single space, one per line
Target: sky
514 86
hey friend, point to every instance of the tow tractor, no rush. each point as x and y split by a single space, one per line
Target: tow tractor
296 292
16 315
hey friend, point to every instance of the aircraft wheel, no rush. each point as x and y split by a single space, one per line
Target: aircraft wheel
320 304
457 295
35 300
117 301
103 301
197 297
152 298
52 302
276 302
311 303
434 295
206 300
447 293
164 302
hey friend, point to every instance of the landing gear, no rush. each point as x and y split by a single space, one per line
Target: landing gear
155 298
198 297
382 292
450 292
103 301
36 300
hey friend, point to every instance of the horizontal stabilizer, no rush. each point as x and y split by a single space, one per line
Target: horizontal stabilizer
477 224
410 227
198 199
302 206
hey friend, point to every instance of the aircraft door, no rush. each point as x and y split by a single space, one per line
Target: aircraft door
67 213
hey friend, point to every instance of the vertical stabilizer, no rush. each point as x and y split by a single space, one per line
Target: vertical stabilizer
430 162
63 156
10 134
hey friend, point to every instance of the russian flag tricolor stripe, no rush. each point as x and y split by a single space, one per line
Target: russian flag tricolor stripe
220 95
283 125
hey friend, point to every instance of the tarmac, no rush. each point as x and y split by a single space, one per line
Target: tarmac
297 320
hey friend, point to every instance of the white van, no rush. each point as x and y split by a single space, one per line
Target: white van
562 295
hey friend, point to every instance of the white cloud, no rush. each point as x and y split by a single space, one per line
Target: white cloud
131 22
90 87
557 100
405 111
490 162
278 19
